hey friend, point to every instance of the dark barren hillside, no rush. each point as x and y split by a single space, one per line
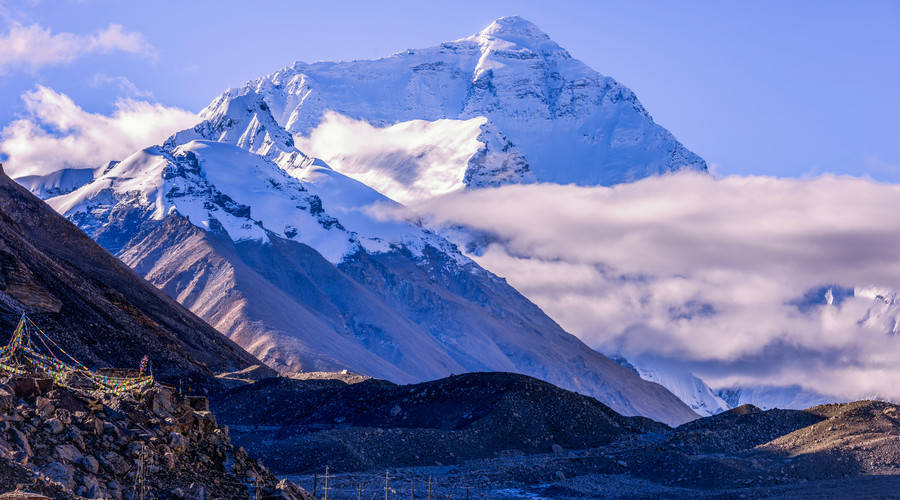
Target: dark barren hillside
374 423
510 436
98 309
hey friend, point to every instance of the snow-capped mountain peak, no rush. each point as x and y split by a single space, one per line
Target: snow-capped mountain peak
514 28
517 38
509 103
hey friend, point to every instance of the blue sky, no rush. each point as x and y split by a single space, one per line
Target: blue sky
776 88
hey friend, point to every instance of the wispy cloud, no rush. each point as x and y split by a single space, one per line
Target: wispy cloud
707 271
57 133
123 84
33 47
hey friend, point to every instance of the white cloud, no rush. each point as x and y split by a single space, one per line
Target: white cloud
405 161
34 46
57 133
706 271
125 86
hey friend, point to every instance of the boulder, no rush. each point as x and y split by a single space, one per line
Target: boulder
55 425
114 463
178 443
30 387
24 446
196 492
61 473
68 453
7 400
91 487
90 464
44 407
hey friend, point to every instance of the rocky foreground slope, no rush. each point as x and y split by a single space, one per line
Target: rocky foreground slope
70 444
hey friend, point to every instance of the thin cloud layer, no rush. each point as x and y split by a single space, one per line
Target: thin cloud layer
33 47
125 86
57 133
729 276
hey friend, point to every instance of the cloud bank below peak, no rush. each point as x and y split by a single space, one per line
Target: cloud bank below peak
705 272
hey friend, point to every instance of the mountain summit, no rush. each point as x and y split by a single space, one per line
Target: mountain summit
506 105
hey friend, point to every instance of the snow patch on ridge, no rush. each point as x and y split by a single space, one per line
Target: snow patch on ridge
223 187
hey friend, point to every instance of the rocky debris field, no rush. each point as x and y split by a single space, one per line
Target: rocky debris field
302 425
69 444
510 436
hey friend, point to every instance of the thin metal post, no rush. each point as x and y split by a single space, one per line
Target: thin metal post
326 482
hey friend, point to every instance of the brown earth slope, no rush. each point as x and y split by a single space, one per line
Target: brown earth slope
98 309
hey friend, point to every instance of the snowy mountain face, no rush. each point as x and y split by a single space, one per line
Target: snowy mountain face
56 183
767 397
280 252
680 381
507 105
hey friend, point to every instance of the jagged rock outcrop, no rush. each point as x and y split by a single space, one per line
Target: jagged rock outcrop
70 444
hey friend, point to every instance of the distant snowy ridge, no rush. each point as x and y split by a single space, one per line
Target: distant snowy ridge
545 116
767 397
678 380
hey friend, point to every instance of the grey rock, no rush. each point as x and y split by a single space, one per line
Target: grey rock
61 473
68 453
90 464
114 463
55 425
178 442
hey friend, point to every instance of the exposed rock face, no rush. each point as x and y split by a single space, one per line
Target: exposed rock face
94 306
113 447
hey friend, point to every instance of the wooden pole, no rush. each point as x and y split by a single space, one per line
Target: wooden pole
326 482
412 487
358 492
386 490
429 487
315 483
